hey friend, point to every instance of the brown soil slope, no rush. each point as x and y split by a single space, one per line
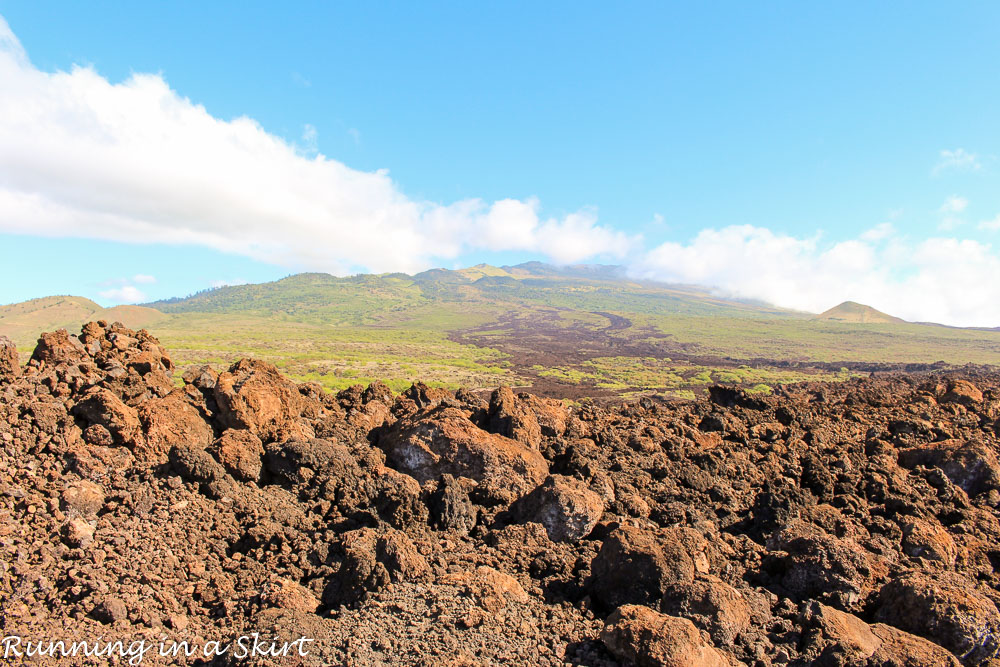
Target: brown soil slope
849 524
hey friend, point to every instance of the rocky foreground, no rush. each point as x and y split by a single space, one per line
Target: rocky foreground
850 524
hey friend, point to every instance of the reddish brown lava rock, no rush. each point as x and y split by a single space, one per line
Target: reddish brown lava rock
510 417
946 609
929 540
711 604
168 421
642 637
58 347
552 415
838 638
444 441
102 407
762 521
240 452
373 560
564 506
972 465
253 395
424 396
963 392
492 590
10 364
83 497
636 566
824 567
287 594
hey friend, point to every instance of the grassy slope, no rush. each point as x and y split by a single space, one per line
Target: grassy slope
850 311
341 331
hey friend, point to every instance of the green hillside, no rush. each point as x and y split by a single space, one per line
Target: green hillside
571 331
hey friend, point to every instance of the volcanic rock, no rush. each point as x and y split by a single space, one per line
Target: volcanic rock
104 408
203 377
253 395
83 497
97 434
511 417
110 610
815 565
58 347
640 636
450 507
10 364
491 590
193 463
711 604
552 415
371 561
945 608
78 532
906 650
636 566
963 392
972 465
171 420
838 638
241 453
779 531
286 594
424 396
443 441
564 505
924 539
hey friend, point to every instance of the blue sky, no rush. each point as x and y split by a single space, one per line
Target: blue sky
802 154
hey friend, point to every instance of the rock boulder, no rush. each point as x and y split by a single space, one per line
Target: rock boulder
443 441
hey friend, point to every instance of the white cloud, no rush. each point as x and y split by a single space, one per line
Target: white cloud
879 232
991 225
136 162
143 278
954 204
957 159
950 212
943 280
126 294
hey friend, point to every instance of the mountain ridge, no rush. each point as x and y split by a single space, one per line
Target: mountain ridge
566 332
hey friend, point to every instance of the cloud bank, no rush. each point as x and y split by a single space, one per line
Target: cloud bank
938 279
136 162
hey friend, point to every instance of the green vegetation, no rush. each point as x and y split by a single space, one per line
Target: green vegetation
632 375
336 357
582 329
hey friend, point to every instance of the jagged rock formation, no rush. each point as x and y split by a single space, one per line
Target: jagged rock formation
848 524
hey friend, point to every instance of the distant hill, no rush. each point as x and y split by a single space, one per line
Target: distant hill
365 298
571 331
22 322
851 311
